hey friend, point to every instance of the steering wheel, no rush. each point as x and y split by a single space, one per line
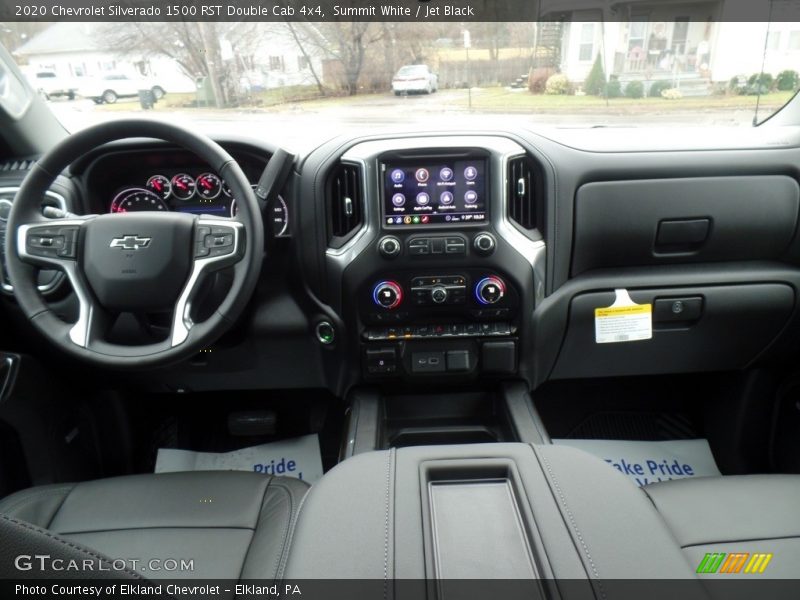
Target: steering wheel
136 262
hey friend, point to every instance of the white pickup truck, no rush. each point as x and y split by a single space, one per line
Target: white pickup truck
108 88
49 84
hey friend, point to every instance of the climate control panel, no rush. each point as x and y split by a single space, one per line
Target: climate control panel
467 319
414 297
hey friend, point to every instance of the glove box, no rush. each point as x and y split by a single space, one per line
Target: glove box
712 328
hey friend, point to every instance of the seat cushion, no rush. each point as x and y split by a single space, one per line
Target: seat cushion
229 524
753 514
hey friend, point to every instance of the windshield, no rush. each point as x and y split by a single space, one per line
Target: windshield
681 67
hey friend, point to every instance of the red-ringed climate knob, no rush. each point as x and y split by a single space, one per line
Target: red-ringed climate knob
490 290
387 294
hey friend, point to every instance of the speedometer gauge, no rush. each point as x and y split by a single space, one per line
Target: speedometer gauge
160 185
183 186
208 186
137 200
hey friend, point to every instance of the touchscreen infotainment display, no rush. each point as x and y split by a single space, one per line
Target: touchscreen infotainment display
439 191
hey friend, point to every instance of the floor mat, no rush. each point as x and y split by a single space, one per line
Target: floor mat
651 462
297 457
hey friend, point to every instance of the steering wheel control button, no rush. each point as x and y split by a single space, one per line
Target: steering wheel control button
490 290
389 247
387 294
200 248
220 240
484 244
52 242
326 334
214 241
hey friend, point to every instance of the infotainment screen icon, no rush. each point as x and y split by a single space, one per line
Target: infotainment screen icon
442 191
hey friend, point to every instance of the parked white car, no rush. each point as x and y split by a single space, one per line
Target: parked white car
108 88
49 84
415 78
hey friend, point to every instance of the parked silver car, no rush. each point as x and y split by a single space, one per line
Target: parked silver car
415 79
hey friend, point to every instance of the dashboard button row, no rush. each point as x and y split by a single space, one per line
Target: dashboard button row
439 331
418 246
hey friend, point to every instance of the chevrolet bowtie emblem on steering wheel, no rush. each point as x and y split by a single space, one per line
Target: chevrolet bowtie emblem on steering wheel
130 242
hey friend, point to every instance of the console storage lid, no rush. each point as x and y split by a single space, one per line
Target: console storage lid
562 513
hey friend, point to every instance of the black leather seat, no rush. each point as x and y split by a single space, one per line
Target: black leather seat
231 525
753 514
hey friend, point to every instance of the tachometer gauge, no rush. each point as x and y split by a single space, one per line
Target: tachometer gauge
160 185
208 186
137 200
183 186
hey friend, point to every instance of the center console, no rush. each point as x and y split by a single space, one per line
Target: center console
476 513
439 281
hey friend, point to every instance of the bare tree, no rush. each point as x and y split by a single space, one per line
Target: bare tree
301 41
344 42
195 46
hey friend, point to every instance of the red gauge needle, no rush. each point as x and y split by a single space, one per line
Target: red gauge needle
157 185
181 185
206 184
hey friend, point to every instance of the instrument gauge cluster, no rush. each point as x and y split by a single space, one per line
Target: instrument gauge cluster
177 185
202 193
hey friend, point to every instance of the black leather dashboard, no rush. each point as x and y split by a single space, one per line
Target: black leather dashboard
714 226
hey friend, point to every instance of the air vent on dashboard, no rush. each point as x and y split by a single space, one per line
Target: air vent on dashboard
345 203
16 165
522 192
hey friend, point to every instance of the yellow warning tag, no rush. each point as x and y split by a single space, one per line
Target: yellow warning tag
623 321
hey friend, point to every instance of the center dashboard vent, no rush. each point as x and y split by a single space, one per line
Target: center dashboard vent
523 192
345 203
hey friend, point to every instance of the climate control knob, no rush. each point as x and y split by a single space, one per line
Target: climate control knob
490 290
439 294
387 294
389 246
